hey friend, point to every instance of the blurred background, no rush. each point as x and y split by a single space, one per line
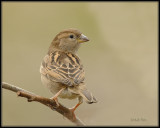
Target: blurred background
120 60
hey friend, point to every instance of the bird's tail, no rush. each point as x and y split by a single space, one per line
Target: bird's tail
84 92
87 96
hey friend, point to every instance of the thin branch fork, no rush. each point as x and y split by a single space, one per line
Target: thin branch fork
46 101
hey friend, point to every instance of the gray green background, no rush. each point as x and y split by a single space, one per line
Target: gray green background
120 60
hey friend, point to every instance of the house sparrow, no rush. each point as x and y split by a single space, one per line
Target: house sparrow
62 71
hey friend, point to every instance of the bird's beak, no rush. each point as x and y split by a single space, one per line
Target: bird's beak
82 39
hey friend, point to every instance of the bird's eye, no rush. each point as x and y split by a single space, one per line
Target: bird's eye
71 36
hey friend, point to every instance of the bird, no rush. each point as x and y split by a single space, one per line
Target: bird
62 70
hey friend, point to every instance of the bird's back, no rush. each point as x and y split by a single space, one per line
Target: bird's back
63 67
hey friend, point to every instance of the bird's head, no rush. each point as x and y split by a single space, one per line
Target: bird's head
68 40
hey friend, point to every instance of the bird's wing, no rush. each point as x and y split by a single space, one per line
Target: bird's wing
63 67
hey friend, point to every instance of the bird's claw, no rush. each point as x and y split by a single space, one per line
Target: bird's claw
73 114
56 100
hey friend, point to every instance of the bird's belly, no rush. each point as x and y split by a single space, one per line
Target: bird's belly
68 94
55 87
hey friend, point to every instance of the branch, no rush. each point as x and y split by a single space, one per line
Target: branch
46 101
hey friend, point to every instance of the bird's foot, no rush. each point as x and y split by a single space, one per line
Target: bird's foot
56 100
56 95
72 111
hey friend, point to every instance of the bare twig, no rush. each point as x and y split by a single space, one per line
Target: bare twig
46 101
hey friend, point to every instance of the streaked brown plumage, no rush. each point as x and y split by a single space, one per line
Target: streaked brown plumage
61 69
